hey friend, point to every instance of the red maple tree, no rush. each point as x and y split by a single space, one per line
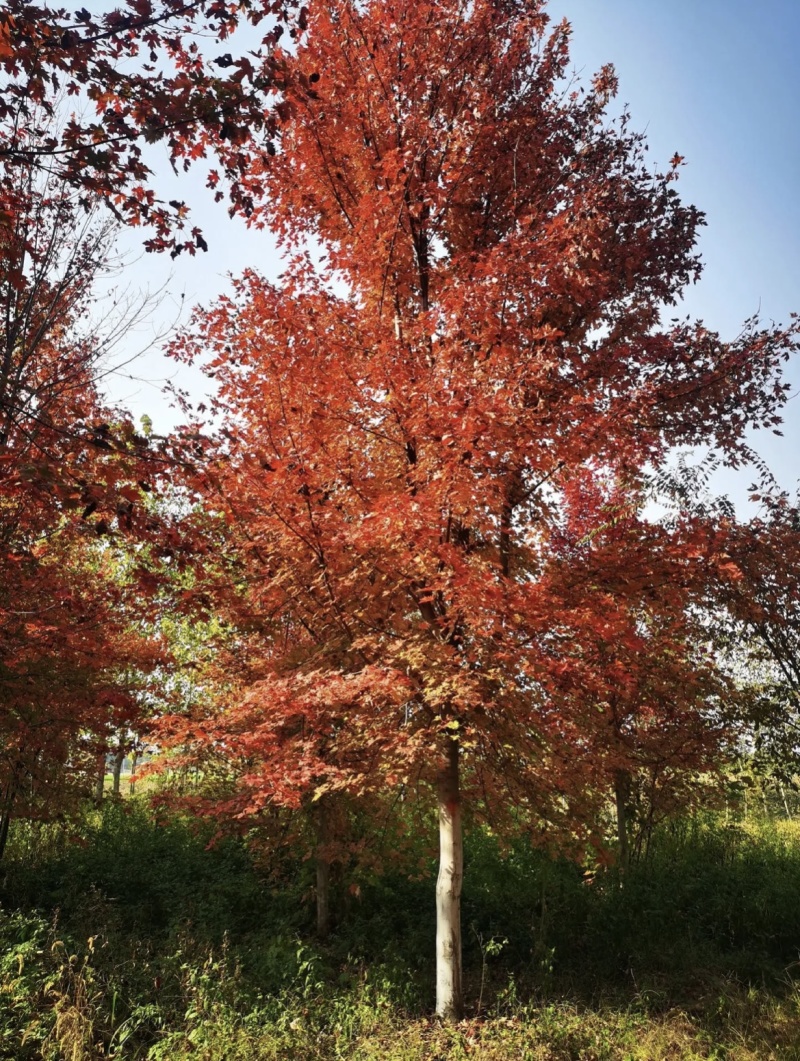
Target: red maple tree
82 97
435 429
73 474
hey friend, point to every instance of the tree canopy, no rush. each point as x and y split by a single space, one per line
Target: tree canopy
436 430
419 514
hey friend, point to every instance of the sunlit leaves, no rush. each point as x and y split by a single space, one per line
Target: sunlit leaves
436 426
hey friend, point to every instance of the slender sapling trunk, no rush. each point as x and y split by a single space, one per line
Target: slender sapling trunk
622 784
449 994
100 780
134 761
323 867
6 807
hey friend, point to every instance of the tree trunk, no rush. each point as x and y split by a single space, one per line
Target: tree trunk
5 820
323 865
449 996
5 812
116 771
323 897
323 869
134 761
100 782
622 785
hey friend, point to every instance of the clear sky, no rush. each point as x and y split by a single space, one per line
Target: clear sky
718 81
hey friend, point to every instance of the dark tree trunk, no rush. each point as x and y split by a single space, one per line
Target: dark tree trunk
9 794
134 761
100 781
622 789
323 867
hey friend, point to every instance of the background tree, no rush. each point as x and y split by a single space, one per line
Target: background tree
67 644
72 473
414 412
657 686
142 73
757 626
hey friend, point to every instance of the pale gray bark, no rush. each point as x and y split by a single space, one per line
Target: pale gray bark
782 791
449 993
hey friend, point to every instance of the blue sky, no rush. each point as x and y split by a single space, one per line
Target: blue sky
717 81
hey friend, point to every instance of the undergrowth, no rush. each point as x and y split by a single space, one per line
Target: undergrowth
142 942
